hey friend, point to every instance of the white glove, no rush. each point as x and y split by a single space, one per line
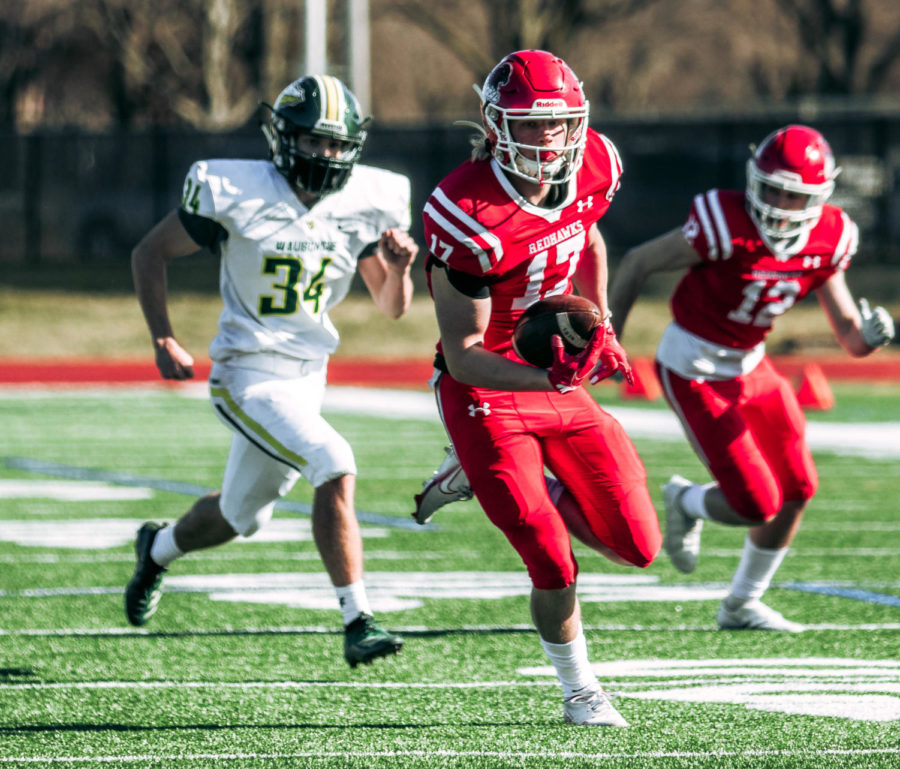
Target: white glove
877 325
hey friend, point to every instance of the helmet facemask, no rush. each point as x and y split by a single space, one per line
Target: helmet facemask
784 223
323 107
530 161
311 172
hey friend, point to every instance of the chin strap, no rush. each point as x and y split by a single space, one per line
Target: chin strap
471 124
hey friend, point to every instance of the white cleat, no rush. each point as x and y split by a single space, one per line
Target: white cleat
591 707
448 484
682 537
755 615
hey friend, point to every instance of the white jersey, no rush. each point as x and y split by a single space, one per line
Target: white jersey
283 265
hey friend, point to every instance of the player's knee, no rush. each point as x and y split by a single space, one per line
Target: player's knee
245 514
550 567
754 506
332 462
643 552
551 575
646 553
762 507
804 490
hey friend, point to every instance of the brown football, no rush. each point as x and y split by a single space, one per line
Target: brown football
574 318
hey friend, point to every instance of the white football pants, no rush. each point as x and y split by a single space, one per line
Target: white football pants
273 404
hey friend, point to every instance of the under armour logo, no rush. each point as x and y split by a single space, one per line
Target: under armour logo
588 202
485 409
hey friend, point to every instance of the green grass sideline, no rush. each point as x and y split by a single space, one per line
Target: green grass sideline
59 324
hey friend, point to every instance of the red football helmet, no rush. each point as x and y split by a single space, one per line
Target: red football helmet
794 159
534 85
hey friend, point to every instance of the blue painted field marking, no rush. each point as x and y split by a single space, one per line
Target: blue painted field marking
866 596
188 489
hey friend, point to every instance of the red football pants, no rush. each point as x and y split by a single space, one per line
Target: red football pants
750 433
504 440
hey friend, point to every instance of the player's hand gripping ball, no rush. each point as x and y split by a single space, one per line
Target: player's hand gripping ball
573 318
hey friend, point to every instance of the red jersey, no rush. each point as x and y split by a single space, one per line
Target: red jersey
476 223
732 297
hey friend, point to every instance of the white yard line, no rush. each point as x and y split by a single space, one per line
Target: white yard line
375 555
877 440
407 629
517 756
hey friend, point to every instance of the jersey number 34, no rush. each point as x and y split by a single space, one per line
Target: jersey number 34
289 270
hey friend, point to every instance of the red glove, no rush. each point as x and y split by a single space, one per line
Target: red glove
569 371
612 358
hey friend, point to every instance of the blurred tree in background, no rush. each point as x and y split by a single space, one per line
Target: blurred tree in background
104 103
103 64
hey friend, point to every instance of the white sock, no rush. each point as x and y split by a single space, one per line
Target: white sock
164 550
573 668
693 500
353 601
754 573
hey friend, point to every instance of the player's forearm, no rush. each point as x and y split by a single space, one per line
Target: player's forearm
478 367
395 293
591 277
591 285
624 293
849 335
149 275
855 327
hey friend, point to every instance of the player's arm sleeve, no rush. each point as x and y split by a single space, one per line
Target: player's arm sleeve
474 286
457 238
368 250
705 229
615 167
198 213
204 232
848 243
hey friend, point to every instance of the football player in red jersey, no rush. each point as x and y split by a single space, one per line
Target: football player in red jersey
512 225
750 256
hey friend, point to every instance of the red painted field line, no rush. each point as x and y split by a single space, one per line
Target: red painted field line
407 373
361 372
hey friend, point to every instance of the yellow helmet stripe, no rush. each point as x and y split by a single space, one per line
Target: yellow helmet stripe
334 95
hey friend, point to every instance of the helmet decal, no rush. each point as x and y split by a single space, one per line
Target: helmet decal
290 96
498 78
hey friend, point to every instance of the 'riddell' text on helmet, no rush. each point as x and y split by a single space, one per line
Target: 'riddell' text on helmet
317 105
534 85
793 162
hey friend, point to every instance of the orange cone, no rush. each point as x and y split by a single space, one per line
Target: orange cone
646 385
814 392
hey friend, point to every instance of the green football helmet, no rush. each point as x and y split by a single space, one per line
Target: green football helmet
320 105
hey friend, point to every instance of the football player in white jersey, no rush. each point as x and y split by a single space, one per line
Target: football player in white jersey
290 233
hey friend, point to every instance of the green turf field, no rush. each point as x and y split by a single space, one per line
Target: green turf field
242 666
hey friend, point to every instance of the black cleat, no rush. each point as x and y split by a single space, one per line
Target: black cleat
143 591
364 641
